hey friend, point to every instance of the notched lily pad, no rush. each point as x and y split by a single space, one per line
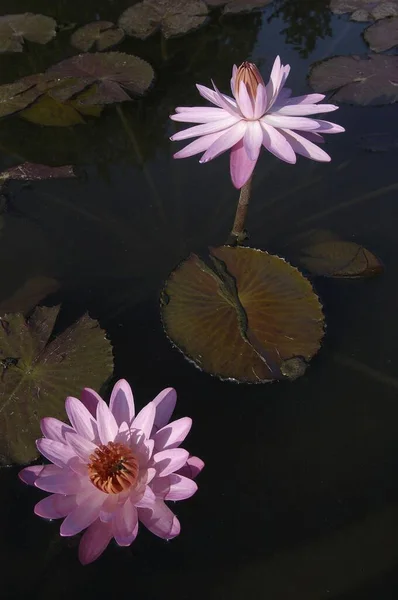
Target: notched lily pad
99 35
243 315
365 10
371 80
16 96
383 35
340 259
239 6
171 17
113 73
34 172
38 372
14 29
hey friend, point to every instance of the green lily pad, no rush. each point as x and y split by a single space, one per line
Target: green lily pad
16 96
39 372
238 6
50 112
171 17
243 315
113 73
365 10
371 80
34 28
99 35
383 35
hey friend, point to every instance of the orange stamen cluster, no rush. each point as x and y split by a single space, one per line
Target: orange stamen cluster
251 77
113 468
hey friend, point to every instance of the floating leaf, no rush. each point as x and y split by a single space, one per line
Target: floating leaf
250 316
33 172
383 35
238 6
39 372
16 96
171 17
34 28
337 258
365 10
29 295
113 72
100 34
48 111
371 80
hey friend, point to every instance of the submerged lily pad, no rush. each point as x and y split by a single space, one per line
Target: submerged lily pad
38 372
238 6
34 28
25 298
340 259
371 80
365 10
34 172
50 112
171 17
113 72
383 35
247 316
100 34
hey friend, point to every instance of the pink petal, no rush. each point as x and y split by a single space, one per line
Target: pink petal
54 429
215 97
147 499
313 137
29 474
297 123
253 139
145 419
64 482
229 104
306 148
204 129
208 94
83 515
81 446
283 95
244 102
192 467
225 141
55 506
241 166
160 520
200 115
122 402
277 144
81 418
327 127
106 422
168 461
306 99
110 505
274 79
58 453
233 79
94 541
125 524
199 145
173 434
261 102
174 487
90 399
164 403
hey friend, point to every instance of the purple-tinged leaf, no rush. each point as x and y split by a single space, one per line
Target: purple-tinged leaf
99 35
383 35
34 28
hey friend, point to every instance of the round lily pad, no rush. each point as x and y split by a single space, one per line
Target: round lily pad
371 80
34 28
383 35
337 258
243 314
171 17
238 6
365 10
100 34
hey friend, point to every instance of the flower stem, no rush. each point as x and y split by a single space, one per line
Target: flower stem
238 233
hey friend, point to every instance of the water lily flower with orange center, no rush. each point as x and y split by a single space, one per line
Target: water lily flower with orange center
112 469
257 115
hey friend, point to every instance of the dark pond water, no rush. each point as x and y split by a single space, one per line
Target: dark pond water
299 497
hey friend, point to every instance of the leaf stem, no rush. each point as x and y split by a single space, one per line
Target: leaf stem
238 233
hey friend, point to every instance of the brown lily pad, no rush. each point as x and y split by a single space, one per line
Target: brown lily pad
14 29
365 10
238 6
171 17
99 35
29 294
383 35
340 259
35 172
371 80
244 315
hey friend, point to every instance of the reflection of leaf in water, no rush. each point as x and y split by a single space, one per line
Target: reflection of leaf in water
365 10
114 72
49 111
100 34
239 6
39 372
172 17
383 35
34 172
34 28
363 81
251 317
32 292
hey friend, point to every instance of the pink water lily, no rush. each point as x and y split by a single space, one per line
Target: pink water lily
257 115
112 469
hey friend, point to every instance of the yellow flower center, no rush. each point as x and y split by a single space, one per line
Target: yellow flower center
113 468
251 77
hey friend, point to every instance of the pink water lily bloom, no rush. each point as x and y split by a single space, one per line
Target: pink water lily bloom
257 115
112 469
